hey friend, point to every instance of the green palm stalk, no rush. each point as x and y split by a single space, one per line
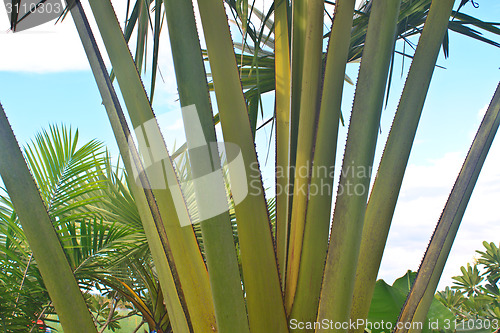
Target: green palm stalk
385 190
345 239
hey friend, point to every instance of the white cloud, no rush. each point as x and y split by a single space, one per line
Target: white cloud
482 112
359 3
45 48
49 47
172 127
424 193
437 173
57 48
176 126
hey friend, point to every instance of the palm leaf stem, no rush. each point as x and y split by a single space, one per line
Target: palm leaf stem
384 195
260 273
318 212
345 236
216 228
422 292
309 109
153 226
282 88
160 171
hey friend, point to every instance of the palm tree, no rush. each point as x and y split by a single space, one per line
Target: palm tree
97 222
294 272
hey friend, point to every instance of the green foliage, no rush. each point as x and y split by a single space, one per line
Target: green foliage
109 311
21 301
98 224
18 305
387 303
475 296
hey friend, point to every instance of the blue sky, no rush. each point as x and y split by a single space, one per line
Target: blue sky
45 79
